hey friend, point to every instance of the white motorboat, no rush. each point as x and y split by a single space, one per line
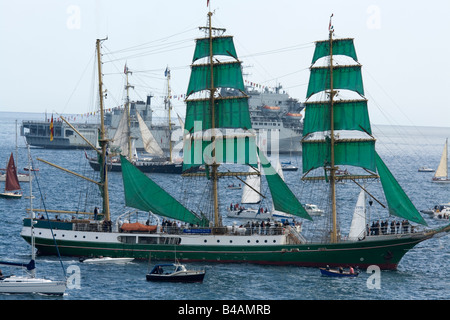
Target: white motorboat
313 210
251 214
28 284
106 260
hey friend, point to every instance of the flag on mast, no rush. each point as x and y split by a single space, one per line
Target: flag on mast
51 129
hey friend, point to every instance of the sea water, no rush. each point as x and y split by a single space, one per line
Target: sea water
423 273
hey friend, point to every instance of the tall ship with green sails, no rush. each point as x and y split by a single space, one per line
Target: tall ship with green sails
219 136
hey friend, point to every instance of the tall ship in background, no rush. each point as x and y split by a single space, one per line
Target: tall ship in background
37 133
272 111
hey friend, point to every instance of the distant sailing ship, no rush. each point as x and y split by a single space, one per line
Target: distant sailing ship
441 174
123 142
203 237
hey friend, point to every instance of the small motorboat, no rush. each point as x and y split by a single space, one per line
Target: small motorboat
106 260
174 272
288 166
327 272
234 187
425 169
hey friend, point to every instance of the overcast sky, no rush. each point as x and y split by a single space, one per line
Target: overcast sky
47 50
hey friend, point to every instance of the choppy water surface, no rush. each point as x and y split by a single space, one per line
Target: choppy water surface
422 274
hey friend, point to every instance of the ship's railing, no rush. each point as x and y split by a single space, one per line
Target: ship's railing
228 230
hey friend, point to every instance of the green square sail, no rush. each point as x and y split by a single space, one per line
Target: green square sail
144 194
344 77
343 47
358 153
348 115
283 198
238 148
226 75
229 112
399 203
220 46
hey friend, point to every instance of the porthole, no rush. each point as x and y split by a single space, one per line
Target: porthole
218 241
248 241
257 241
205 241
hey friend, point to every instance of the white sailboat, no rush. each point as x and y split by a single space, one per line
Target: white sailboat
359 221
251 194
29 283
441 174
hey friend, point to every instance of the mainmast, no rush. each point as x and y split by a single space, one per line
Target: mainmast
212 90
103 141
333 167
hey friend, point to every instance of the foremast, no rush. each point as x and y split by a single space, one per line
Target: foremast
103 141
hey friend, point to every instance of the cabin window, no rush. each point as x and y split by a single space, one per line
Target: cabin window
69 133
169 240
148 240
127 239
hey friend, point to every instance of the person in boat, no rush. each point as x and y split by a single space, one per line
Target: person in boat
341 270
352 271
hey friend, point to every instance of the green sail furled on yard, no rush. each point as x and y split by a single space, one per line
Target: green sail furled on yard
358 153
226 75
340 47
229 112
237 148
348 115
282 197
398 202
220 46
344 77
144 194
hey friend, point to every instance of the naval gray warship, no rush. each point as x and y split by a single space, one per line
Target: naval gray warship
273 112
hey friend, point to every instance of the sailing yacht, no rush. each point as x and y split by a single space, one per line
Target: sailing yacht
29 283
12 185
225 136
441 174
